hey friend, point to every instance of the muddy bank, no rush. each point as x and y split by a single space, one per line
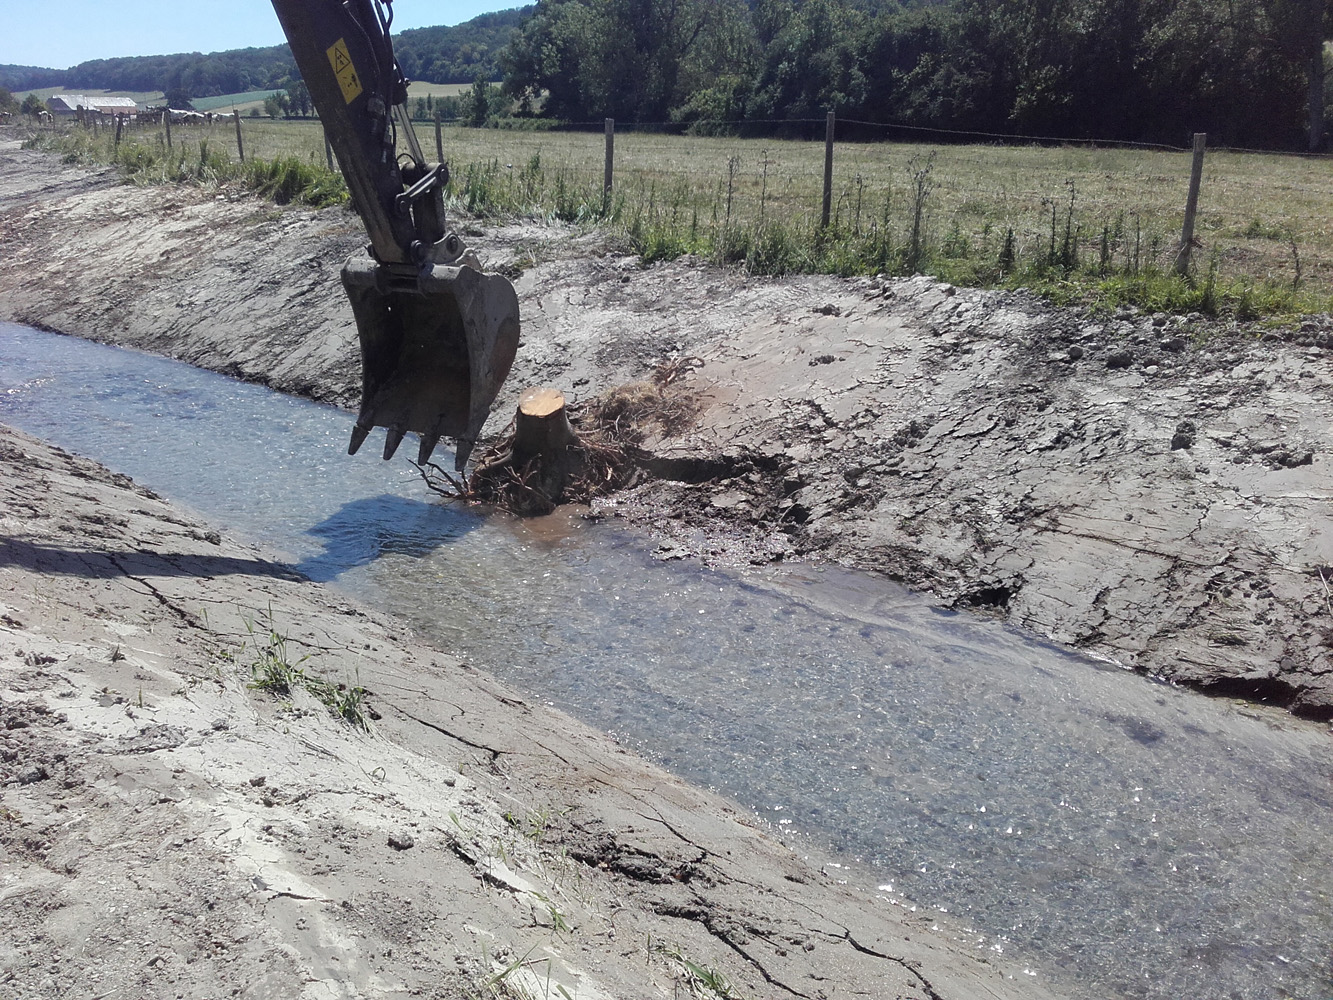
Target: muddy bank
1153 490
168 829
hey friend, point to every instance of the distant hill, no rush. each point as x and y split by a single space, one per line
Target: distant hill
29 77
457 54
200 75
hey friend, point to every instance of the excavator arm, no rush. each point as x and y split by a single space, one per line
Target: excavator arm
437 335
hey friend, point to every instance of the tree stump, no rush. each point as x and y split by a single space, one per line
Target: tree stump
541 427
531 473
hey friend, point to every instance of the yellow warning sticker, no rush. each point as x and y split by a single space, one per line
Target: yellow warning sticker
348 80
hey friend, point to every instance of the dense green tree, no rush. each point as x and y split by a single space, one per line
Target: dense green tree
298 97
480 104
1298 30
633 60
178 98
810 65
32 105
450 108
1248 72
201 75
29 77
276 106
457 54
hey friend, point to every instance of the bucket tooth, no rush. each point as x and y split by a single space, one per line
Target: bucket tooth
358 438
462 449
392 440
428 443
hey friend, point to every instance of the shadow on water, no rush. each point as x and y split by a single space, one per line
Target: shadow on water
367 528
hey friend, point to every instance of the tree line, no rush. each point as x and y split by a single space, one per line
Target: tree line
28 77
1248 72
192 74
457 54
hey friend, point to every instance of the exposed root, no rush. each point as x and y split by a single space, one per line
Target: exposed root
606 456
626 415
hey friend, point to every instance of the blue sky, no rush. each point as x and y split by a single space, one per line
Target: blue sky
72 31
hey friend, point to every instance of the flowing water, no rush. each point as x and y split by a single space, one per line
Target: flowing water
1123 837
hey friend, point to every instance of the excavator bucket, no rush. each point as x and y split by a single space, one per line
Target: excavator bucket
437 336
436 345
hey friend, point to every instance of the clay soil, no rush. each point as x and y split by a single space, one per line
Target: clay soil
1153 490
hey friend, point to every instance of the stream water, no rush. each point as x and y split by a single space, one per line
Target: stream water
1123 837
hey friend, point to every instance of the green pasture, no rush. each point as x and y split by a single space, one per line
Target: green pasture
240 102
1074 222
417 89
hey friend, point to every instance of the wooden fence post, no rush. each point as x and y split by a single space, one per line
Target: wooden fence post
240 146
328 149
828 171
607 171
1191 204
166 122
439 139
120 123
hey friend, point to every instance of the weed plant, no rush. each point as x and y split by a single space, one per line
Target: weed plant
700 980
143 157
272 670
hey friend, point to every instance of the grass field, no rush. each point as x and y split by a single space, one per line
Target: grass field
240 102
416 89
1073 222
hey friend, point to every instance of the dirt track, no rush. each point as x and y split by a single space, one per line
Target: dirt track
1153 490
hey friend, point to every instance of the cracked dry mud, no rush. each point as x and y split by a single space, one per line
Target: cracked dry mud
167 830
1169 511
1152 490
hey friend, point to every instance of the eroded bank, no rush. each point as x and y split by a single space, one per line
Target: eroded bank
1154 490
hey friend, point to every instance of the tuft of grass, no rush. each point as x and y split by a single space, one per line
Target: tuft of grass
273 671
287 180
142 157
702 981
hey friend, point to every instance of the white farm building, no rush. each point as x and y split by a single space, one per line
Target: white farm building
68 104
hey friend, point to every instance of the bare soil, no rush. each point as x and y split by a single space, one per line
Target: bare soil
1153 490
